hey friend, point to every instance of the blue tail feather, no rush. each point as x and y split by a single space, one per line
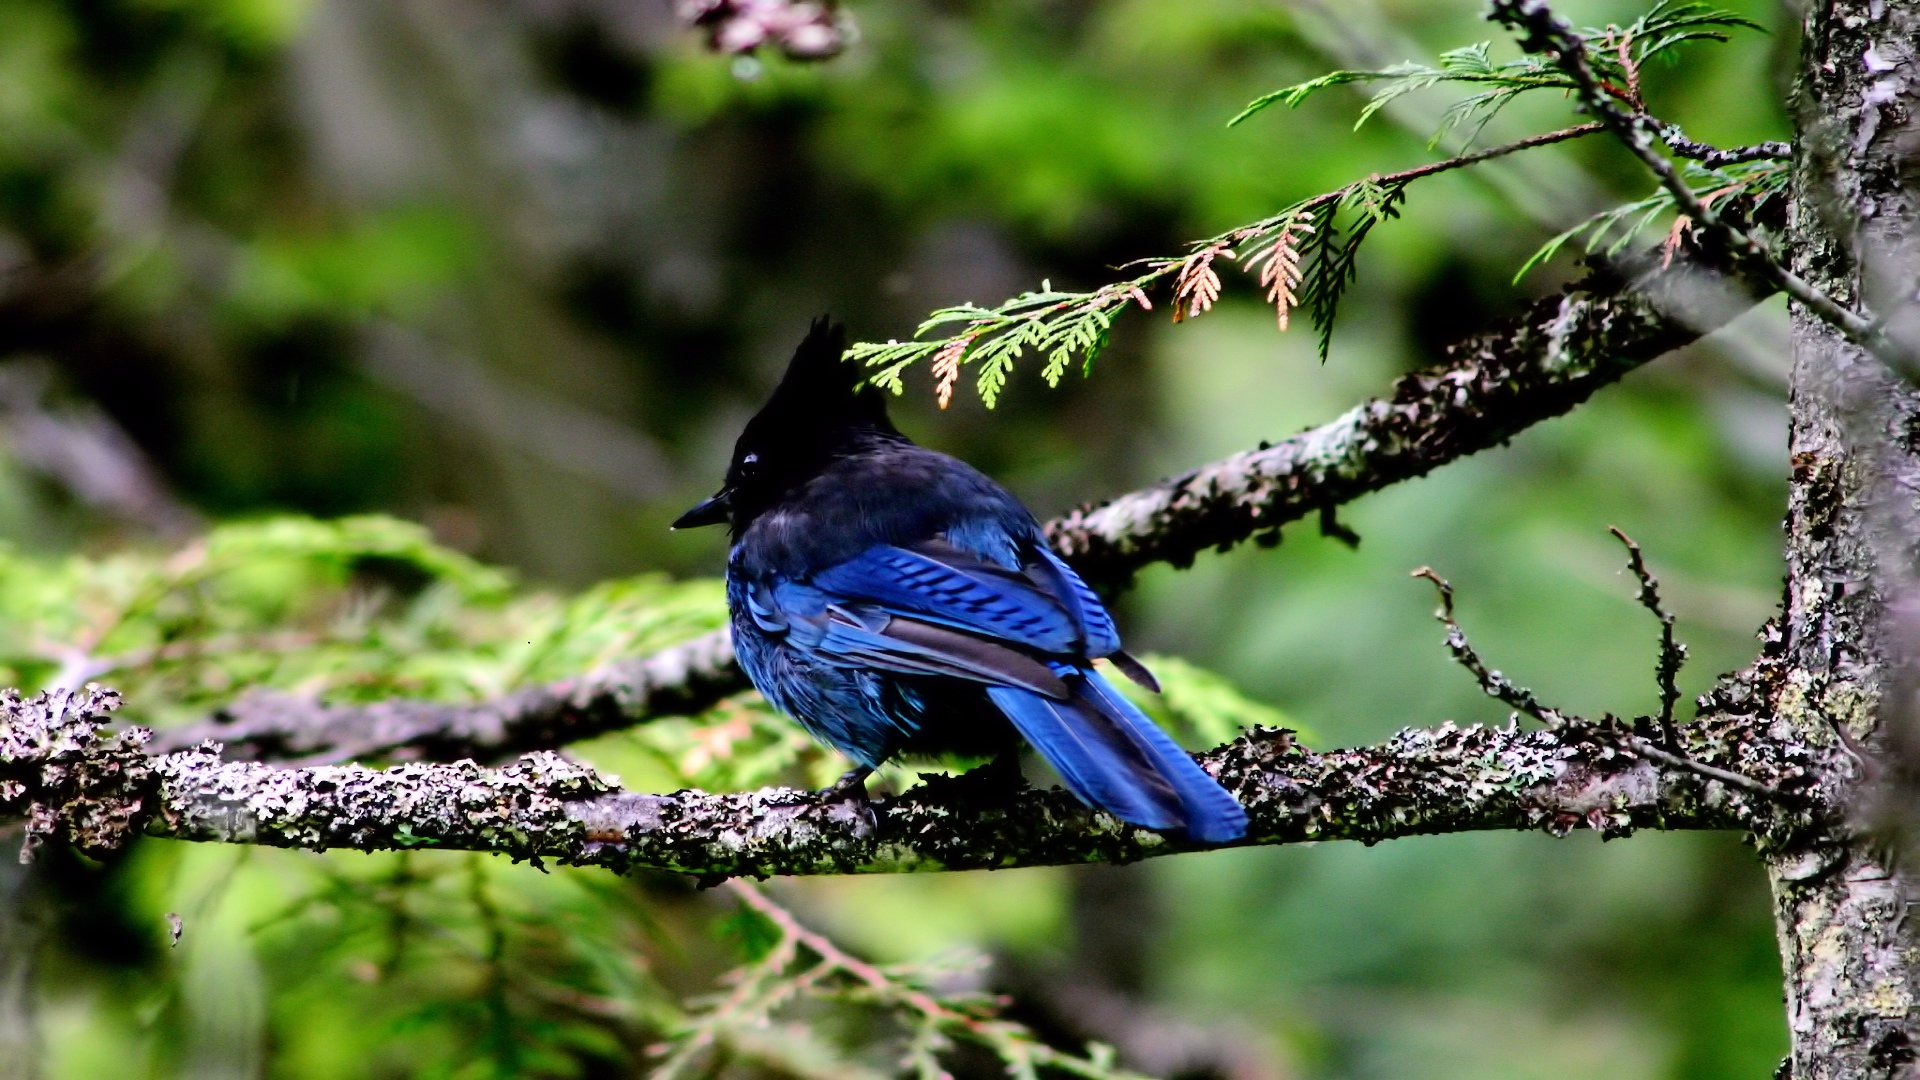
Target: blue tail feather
1112 757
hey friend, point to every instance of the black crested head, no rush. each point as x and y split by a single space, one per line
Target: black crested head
819 412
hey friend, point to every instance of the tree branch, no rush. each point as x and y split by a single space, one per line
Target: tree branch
1499 687
544 808
1714 157
678 681
1495 385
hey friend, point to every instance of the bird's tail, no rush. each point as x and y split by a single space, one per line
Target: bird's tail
1114 758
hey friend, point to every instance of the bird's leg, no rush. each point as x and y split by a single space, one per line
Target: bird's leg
851 790
851 787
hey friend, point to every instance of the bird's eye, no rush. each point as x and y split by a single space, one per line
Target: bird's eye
750 463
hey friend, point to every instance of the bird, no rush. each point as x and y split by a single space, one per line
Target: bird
894 600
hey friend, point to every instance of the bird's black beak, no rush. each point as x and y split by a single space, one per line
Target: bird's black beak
712 512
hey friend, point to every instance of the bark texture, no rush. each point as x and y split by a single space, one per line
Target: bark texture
98 792
1851 960
683 680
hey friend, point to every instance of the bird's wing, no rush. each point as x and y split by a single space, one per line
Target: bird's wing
937 583
850 632
911 647
1096 626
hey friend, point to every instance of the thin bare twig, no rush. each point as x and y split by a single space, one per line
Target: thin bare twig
1196 284
936 1020
1492 683
1714 157
874 979
1672 653
1666 671
1405 177
1648 749
1497 686
1529 143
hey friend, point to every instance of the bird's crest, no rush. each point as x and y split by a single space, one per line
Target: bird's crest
820 411
821 389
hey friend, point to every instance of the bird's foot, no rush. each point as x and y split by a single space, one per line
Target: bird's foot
851 787
850 791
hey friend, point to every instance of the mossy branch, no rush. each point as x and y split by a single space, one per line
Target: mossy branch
1494 385
546 809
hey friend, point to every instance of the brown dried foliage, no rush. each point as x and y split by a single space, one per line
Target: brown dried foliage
1683 224
1197 286
1278 267
946 366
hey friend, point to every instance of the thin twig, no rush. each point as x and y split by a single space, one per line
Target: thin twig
1478 156
748 995
1647 749
1159 268
1162 267
1672 653
1714 157
1418 172
1492 683
1498 686
872 977
1546 32
1870 768
1012 1042
1667 674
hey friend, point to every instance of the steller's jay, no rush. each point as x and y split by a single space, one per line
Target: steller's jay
894 600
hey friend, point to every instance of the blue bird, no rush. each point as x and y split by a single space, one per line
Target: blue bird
894 600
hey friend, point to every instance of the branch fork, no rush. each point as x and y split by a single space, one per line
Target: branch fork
1671 656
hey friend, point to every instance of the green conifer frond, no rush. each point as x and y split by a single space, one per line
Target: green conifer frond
1307 254
1617 53
1609 231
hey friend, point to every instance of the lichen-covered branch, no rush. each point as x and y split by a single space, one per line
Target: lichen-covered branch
681 680
1528 369
1493 386
546 808
64 778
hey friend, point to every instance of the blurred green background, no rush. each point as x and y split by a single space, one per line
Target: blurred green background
517 271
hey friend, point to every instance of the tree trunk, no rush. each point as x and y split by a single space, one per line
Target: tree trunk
1851 960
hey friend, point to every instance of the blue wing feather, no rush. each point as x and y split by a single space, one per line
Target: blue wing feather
846 633
953 589
912 648
1096 625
